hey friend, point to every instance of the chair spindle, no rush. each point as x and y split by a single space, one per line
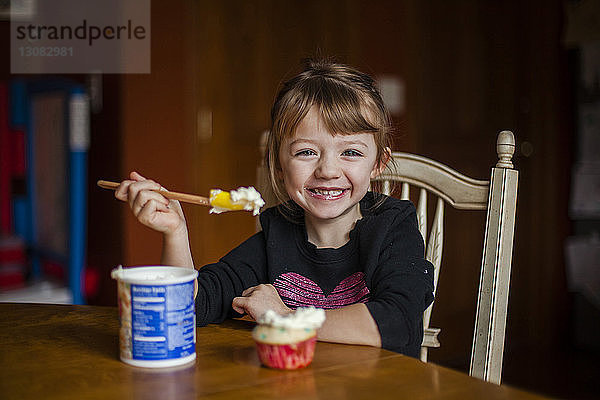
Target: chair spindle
405 195
386 187
422 213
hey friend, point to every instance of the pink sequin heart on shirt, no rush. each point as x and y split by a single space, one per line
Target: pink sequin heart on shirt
298 291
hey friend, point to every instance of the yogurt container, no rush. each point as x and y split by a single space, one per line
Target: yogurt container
157 314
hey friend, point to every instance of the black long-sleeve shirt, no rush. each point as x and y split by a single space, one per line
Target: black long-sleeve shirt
382 265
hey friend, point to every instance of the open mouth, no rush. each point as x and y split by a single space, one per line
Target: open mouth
326 194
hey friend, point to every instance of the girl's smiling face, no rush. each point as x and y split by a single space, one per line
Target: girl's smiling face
327 175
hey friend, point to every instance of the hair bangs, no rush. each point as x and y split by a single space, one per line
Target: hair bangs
344 113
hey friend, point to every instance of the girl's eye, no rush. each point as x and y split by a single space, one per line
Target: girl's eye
352 153
304 153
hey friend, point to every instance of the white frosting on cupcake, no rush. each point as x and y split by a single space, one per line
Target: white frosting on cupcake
292 328
304 317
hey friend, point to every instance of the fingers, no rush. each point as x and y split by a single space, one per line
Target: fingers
128 189
175 205
143 197
123 189
239 304
136 176
262 288
149 206
148 212
257 300
134 188
249 291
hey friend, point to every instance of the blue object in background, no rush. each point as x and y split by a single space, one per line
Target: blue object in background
79 139
77 116
18 101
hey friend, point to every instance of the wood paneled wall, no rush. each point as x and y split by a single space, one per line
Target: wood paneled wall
195 122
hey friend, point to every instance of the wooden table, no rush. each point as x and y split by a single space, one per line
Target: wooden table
58 352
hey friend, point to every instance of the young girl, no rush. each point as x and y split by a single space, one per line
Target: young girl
330 243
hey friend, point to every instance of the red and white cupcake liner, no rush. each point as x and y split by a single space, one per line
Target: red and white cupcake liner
287 356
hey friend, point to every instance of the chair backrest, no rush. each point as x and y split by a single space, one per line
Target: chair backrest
498 197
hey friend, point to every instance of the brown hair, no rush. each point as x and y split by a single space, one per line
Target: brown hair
347 101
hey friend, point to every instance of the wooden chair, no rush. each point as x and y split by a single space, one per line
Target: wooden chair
498 196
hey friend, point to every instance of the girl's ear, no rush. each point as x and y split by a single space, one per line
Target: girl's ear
380 167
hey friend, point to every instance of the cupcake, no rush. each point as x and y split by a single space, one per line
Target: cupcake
288 342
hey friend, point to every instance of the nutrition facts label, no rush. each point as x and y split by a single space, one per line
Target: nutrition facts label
163 321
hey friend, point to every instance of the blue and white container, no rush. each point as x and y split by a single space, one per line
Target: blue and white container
157 313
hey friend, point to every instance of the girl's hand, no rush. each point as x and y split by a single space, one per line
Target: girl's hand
255 301
151 208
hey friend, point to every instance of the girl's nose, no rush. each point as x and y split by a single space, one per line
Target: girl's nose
328 168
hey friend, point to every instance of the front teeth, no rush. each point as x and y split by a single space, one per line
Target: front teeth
328 192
